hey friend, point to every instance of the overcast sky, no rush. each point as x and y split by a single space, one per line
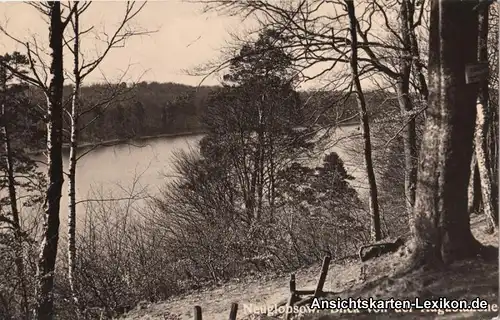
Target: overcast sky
184 39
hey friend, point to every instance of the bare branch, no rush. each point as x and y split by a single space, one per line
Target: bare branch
412 117
118 39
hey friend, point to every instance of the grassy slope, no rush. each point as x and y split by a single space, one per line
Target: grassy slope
465 280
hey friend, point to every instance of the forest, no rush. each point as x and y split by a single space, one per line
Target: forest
155 109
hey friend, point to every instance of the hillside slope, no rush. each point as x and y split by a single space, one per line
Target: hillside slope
349 279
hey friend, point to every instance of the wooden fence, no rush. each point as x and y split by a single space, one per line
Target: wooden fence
295 295
232 313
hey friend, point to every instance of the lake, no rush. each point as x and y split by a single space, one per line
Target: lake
115 168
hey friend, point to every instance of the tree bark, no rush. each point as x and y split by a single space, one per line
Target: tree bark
482 166
376 234
482 124
73 159
493 150
415 51
474 200
440 223
50 236
492 138
261 163
406 106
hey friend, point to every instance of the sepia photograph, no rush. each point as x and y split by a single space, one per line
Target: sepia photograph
249 159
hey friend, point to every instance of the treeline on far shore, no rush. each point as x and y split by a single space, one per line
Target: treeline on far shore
121 112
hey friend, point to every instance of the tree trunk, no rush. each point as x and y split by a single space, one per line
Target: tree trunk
409 142
482 124
16 224
251 199
260 160
493 150
406 106
440 223
272 177
376 234
492 138
483 167
50 235
415 52
73 160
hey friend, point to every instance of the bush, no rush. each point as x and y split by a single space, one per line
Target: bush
212 237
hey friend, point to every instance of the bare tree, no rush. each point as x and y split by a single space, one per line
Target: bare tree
373 202
81 69
54 92
398 58
11 181
391 52
54 120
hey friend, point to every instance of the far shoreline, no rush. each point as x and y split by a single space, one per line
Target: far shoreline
123 141
114 142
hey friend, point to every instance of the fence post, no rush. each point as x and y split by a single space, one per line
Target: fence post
292 299
322 276
197 313
234 311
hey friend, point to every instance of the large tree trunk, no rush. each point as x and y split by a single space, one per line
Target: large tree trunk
440 223
376 234
11 182
50 235
482 124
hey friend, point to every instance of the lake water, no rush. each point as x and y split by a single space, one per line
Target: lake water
115 168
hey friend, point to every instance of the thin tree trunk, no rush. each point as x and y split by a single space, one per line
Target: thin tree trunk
251 199
260 184
73 160
272 178
440 223
260 160
406 106
482 123
415 51
18 237
492 136
409 143
50 235
376 234
271 174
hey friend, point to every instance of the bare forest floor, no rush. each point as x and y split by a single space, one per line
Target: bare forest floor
375 278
